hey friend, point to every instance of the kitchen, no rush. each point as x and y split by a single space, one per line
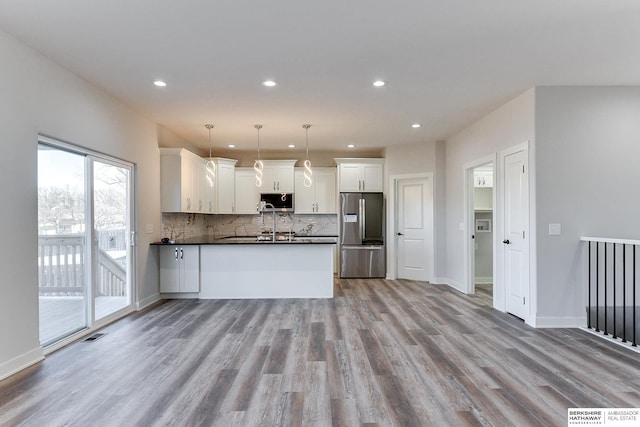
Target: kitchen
254 242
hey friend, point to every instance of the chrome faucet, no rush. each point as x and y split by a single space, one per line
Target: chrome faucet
264 205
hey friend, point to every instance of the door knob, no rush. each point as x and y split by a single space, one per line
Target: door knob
506 242
400 234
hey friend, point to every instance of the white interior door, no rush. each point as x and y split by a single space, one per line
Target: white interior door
414 229
516 230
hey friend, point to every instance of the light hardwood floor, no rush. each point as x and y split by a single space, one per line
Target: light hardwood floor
380 353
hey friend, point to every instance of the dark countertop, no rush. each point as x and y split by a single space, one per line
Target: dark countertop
252 240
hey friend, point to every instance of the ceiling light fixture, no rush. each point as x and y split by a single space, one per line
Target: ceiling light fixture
269 83
258 165
291 146
210 167
416 125
351 146
379 83
231 145
160 83
307 163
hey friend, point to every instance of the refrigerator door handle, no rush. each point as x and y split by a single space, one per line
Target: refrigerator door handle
362 219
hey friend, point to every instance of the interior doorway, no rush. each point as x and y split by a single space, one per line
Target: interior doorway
480 203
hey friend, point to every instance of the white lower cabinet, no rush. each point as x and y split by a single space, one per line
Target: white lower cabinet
179 268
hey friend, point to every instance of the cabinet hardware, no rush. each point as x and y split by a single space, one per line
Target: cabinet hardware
181 253
176 253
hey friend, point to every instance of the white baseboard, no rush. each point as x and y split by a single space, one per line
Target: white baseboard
484 280
451 283
21 362
146 302
560 322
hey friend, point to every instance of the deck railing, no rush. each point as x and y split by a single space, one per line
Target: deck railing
61 268
612 301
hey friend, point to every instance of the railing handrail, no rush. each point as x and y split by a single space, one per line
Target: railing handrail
610 240
118 271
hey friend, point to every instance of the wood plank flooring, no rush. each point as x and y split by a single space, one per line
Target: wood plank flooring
381 353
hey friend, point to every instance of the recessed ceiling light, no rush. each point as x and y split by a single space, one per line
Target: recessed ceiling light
159 83
231 145
291 146
269 83
416 125
379 83
351 146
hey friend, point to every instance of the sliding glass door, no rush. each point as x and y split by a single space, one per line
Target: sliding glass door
84 233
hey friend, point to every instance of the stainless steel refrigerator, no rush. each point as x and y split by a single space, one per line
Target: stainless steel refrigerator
362 225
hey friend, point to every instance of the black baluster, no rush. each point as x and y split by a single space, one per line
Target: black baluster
606 277
635 302
597 287
589 297
624 293
614 291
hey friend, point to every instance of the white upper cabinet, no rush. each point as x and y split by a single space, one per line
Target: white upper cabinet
321 196
183 184
247 194
277 176
360 175
483 177
224 186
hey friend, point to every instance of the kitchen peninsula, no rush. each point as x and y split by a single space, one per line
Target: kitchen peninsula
243 267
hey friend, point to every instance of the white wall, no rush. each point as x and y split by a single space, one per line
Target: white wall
417 158
588 146
507 126
37 96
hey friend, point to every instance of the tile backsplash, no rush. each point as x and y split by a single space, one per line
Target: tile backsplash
184 226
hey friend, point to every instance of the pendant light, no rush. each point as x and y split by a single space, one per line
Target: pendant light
307 163
257 165
211 167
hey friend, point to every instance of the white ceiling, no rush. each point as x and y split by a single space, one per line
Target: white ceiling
447 63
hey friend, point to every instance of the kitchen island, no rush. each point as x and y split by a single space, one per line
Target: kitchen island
247 268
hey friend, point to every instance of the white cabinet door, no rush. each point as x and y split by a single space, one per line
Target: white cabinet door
225 188
176 180
305 197
269 179
350 179
169 269
285 179
247 195
325 188
372 178
189 268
